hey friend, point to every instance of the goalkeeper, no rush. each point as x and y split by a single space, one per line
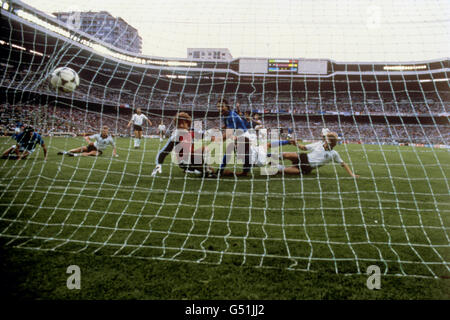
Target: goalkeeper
182 140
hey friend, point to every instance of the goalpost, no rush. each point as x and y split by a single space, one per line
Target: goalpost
392 119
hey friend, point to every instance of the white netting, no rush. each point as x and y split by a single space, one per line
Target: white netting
393 126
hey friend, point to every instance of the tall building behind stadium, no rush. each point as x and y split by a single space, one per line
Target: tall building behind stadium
104 26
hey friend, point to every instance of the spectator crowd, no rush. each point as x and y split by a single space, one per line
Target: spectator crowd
417 102
276 110
54 120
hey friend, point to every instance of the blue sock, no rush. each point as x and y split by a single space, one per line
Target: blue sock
224 162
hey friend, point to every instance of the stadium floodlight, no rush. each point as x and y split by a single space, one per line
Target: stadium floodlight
36 52
404 68
181 64
102 50
435 80
34 19
18 47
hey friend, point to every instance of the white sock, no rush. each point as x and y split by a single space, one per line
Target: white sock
135 142
139 142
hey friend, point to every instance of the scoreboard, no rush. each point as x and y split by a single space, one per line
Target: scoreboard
282 66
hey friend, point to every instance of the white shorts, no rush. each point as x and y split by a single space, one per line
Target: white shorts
241 133
258 156
252 137
22 149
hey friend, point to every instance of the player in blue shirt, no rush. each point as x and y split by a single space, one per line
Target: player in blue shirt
234 122
26 144
18 129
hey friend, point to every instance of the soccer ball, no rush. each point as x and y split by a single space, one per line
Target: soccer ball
65 79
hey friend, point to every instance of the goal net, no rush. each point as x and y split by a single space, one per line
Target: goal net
391 118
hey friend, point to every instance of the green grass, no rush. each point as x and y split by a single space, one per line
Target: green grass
266 237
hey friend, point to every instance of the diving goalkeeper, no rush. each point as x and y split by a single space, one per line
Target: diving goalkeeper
190 160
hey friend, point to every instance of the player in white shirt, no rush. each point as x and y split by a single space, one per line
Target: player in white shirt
138 120
161 130
94 148
321 153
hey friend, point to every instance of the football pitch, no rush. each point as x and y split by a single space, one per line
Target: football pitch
178 236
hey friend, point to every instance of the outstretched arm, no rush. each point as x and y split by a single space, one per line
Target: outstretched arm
347 168
289 141
162 154
301 147
165 151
